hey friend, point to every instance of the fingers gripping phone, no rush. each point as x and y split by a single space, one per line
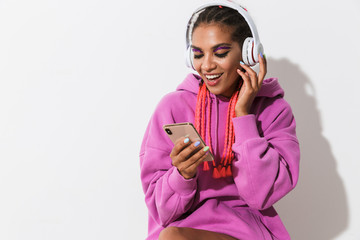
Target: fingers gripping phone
178 130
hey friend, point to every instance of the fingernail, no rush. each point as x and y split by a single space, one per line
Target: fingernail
197 143
205 149
186 140
261 55
242 63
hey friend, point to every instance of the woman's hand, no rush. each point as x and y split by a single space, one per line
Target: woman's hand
251 85
183 160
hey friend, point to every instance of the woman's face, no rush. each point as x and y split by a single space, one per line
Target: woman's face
216 58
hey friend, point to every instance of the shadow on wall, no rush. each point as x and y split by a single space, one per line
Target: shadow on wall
317 208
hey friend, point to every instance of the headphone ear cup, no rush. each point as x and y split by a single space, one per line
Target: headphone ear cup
189 58
246 51
249 52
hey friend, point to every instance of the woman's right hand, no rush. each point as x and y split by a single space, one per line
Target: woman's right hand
187 166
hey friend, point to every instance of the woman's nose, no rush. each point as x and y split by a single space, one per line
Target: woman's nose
208 64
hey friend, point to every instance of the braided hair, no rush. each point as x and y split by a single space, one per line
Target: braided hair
227 17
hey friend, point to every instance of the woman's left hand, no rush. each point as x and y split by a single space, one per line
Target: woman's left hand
251 85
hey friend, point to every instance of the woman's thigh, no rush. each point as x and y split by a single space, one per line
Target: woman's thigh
176 233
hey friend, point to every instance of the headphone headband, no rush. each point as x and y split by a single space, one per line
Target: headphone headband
251 47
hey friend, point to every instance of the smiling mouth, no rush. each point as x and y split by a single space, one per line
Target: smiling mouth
213 77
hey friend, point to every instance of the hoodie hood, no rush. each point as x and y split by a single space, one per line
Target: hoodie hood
270 87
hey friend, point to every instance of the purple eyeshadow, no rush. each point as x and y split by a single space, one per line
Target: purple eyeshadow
219 48
196 50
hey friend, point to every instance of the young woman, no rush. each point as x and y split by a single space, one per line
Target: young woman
248 127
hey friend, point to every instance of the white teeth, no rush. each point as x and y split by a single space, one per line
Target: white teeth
210 77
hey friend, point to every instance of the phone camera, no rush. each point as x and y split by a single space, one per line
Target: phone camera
168 131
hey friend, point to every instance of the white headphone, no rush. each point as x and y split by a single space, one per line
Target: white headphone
251 46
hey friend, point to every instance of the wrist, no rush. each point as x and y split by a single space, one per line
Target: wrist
187 176
240 113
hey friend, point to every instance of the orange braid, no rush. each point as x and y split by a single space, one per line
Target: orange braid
229 154
224 168
198 110
200 118
203 111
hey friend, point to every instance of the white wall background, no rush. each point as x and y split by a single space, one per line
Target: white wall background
79 81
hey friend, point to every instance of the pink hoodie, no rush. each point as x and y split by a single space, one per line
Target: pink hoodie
265 168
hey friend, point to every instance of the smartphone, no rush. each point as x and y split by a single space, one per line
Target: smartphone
178 130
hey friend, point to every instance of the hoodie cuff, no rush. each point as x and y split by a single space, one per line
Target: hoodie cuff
181 185
245 128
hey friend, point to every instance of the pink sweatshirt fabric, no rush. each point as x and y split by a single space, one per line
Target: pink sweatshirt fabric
265 168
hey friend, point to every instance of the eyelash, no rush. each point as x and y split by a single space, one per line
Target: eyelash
222 55
219 55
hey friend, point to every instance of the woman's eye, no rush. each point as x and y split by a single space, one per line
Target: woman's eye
221 55
197 56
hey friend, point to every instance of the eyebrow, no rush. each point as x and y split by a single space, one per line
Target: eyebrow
214 48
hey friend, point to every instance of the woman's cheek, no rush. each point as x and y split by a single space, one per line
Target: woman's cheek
196 66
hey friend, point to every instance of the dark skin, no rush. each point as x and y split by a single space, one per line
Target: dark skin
251 85
177 233
209 62
205 37
187 166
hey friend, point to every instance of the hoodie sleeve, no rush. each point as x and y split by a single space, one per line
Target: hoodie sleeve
267 152
167 194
